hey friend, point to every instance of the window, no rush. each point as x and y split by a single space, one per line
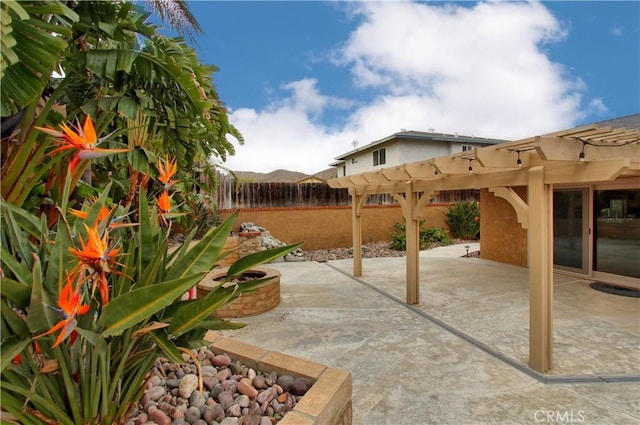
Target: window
354 160
379 157
467 148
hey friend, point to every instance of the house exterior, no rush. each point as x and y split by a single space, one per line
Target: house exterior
404 147
567 201
596 225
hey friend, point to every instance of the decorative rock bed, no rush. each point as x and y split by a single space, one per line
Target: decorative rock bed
264 297
328 401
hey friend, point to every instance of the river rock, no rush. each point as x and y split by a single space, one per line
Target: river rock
266 396
159 417
220 360
225 398
234 410
196 399
188 384
192 414
300 386
156 393
285 382
244 388
259 382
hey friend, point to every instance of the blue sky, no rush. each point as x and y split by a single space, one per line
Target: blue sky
304 80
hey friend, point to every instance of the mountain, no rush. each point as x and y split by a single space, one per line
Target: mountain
282 176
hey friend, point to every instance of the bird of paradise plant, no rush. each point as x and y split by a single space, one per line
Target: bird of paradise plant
94 352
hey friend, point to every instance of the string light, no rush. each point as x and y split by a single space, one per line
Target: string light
519 161
581 156
470 167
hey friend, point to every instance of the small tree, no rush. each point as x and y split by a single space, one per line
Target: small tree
463 219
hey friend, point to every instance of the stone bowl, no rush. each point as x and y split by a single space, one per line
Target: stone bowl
262 298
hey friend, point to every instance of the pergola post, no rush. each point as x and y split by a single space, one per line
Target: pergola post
540 252
357 201
412 205
413 249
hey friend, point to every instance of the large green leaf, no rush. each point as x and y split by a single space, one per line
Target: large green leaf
168 347
37 316
11 348
60 259
19 270
188 317
140 304
202 256
252 260
40 42
19 241
18 292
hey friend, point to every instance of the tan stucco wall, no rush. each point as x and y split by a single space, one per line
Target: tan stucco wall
322 228
502 237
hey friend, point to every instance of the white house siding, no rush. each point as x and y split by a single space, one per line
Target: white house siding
412 151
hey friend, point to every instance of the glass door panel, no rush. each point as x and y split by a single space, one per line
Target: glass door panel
570 230
617 232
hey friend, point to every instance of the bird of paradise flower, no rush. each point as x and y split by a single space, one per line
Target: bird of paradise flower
96 254
81 139
70 305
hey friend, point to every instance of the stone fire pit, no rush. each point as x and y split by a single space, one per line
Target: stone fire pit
264 297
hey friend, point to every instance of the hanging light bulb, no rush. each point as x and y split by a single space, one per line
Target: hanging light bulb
519 161
470 167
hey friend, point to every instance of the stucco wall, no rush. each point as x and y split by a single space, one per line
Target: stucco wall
322 228
502 237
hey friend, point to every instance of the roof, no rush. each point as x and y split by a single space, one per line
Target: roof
589 153
421 135
628 121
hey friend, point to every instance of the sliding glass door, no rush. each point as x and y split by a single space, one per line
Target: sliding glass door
617 232
571 229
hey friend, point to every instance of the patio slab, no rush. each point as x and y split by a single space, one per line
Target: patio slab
408 370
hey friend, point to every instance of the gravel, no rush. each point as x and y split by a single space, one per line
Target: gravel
233 394
370 250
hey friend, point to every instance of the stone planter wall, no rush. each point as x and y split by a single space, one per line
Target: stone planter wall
328 402
248 243
263 298
230 245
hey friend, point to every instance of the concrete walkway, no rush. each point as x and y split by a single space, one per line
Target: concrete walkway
409 370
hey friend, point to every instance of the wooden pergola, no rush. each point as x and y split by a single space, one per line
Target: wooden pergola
587 154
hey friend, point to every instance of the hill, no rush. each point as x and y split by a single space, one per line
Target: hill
282 176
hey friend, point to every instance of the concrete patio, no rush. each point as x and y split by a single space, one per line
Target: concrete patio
459 357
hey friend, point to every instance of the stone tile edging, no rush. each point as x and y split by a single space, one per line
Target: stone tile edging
328 402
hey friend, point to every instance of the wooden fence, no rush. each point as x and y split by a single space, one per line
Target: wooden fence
243 195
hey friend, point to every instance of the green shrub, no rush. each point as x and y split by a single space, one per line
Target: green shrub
463 219
428 237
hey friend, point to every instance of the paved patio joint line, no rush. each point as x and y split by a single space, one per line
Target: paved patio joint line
545 379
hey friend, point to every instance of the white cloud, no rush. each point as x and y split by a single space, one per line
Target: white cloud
285 135
478 70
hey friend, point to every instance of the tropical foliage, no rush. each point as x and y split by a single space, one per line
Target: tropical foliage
147 91
107 131
91 298
427 238
463 219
